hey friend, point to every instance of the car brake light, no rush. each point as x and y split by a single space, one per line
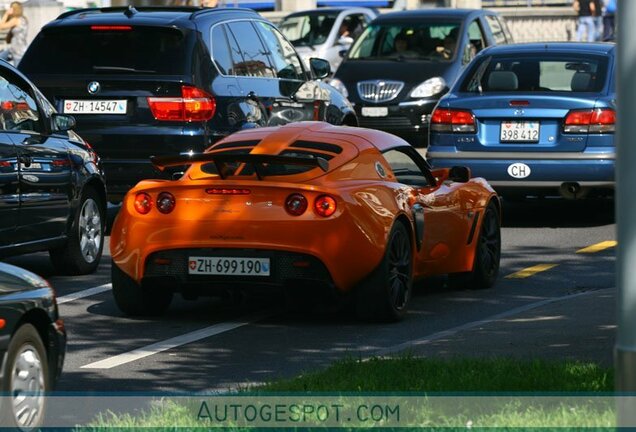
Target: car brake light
296 204
453 120
325 205
143 203
599 120
165 202
111 28
193 105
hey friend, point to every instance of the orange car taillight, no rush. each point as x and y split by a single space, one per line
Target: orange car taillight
453 120
165 202
599 120
325 205
143 203
296 204
193 105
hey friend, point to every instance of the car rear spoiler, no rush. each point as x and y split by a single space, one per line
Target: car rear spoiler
219 159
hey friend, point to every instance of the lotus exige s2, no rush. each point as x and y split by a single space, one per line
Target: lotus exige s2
301 207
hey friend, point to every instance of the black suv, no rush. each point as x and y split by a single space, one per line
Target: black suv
52 192
404 62
157 81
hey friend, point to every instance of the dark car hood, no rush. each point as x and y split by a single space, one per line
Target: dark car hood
410 72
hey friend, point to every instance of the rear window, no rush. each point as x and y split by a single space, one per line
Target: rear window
82 50
532 73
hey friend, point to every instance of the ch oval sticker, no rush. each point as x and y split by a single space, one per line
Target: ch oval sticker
519 170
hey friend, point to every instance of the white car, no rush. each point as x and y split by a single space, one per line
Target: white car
326 32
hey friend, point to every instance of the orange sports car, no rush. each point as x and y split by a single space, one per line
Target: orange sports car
303 207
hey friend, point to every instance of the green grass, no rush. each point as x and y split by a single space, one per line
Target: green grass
418 376
411 374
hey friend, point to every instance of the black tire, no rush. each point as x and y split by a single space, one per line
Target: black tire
138 300
487 255
77 258
26 355
384 295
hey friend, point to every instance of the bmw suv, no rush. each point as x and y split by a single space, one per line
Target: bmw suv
146 82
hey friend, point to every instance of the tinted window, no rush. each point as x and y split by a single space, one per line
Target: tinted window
496 29
286 62
18 110
433 40
221 50
528 73
308 29
251 58
80 50
405 168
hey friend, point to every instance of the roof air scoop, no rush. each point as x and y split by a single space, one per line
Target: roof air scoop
131 11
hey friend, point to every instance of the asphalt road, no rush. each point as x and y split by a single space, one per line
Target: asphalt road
210 345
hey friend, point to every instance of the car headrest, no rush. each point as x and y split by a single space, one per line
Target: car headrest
581 81
503 81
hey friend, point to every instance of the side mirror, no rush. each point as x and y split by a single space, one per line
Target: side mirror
63 122
459 174
320 67
342 53
345 40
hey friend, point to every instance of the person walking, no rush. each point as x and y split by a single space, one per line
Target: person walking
16 23
598 20
609 22
585 9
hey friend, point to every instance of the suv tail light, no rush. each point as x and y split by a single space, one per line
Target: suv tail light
453 120
193 105
599 120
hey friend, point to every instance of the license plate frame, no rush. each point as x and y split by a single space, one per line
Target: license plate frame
375 111
224 266
519 131
95 106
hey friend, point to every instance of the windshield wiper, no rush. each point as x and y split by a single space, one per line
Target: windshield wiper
121 69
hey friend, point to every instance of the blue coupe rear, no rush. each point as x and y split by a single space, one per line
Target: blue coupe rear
533 119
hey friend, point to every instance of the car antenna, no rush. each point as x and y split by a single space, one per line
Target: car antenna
130 11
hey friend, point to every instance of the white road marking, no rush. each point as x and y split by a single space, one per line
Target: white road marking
452 331
174 342
84 293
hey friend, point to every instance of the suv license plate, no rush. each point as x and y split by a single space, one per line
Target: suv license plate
519 131
231 266
117 106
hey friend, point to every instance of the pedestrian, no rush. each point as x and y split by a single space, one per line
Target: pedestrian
209 3
598 20
585 11
609 22
16 23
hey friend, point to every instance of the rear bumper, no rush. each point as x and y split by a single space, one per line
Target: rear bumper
590 170
288 270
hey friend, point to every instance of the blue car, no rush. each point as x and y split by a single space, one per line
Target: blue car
533 119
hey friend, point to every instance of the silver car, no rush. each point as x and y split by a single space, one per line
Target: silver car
325 32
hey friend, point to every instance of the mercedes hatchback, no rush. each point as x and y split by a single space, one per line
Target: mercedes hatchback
533 119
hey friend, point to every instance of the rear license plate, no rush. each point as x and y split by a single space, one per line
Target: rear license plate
375 111
231 266
117 106
31 166
519 131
